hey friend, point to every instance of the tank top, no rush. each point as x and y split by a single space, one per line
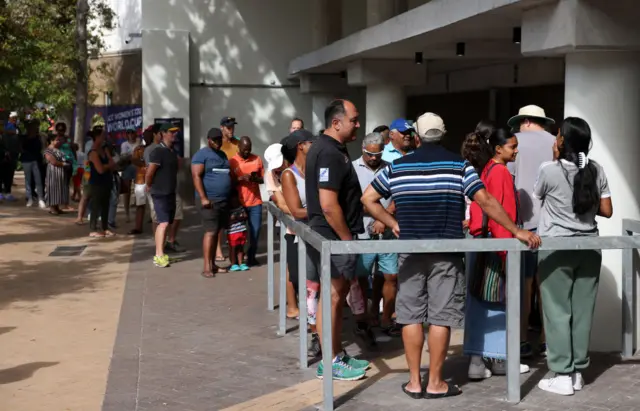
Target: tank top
96 178
300 184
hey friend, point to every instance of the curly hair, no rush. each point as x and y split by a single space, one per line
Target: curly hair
476 151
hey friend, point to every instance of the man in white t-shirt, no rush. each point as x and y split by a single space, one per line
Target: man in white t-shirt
535 146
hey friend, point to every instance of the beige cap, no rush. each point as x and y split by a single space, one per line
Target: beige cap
430 126
530 111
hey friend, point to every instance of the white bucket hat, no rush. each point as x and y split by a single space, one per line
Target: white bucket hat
530 111
273 156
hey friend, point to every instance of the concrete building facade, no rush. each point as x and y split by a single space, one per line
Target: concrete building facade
267 62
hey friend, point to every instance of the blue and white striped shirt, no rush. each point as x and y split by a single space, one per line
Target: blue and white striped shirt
429 188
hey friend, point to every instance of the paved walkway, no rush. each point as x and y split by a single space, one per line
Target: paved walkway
193 344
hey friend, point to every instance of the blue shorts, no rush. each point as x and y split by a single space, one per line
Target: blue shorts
387 264
165 207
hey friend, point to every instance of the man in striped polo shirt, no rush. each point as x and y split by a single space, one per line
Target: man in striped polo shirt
429 189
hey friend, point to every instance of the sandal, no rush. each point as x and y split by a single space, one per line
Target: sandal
452 391
79 222
96 235
414 395
208 274
109 234
135 231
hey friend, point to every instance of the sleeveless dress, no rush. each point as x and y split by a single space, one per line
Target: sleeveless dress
57 192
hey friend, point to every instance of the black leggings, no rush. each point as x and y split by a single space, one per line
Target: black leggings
100 196
7 171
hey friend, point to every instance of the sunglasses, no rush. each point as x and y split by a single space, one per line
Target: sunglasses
370 154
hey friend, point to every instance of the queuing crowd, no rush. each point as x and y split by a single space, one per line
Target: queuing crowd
517 181
507 182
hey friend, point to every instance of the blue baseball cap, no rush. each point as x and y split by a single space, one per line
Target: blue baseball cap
401 125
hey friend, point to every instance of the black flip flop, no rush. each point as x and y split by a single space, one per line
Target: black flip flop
452 391
414 395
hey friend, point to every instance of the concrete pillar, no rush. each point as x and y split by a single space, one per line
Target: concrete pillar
319 24
319 103
165 79
379 11
384 104
603 88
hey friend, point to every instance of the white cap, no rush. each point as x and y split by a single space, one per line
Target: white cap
13 114
430 126
273 156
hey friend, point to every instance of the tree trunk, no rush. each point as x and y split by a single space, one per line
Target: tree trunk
82 75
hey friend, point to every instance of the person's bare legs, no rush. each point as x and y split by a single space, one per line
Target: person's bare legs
292 304
208 245
339 290
389 291
161 233
438 347
413 340
82 208
126 187
139 218
219 254
173 231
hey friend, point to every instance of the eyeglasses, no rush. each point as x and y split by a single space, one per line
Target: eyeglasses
370 154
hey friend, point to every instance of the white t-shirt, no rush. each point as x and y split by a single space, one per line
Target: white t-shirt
127 148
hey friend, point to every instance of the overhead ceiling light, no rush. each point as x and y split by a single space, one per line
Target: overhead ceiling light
517 35
418 57
460 49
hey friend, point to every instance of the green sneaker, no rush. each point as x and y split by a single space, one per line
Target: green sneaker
355 363
342 372
162 261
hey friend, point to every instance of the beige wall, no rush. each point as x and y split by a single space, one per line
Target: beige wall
120 74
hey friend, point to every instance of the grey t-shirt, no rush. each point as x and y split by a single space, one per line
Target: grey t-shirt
534 148
555 189
365 177
147 152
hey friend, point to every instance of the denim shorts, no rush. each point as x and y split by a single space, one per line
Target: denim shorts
165 207
387 264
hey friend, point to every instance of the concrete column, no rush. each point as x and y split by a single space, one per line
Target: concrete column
379 11
319 103
384 103
603 88
319 23
165 79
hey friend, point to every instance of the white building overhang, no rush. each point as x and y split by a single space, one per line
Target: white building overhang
429 27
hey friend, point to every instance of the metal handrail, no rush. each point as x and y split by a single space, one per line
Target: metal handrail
306 235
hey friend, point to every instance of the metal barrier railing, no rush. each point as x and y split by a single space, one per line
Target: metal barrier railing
306 236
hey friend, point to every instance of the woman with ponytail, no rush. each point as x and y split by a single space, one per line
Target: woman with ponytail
574 189
489 151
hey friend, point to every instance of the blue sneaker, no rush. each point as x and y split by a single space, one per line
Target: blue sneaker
341 371
244 267
543 349
235 267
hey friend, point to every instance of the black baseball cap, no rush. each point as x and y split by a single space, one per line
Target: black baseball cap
168 127
214 133
297 137
228 121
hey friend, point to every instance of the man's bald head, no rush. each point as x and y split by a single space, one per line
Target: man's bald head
244 147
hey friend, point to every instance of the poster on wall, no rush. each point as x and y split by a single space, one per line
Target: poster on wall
178 144
117 120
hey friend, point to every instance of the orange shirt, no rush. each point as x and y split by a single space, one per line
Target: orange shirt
230 148
248 191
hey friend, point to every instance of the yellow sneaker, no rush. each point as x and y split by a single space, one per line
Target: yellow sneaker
162 261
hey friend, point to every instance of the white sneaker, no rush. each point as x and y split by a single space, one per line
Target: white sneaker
478 369
560 384
29 203
499 367
41 204
577 380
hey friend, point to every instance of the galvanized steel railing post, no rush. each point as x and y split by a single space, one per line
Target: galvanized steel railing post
302 293
628 302
327 340
282 301
513 325
270 262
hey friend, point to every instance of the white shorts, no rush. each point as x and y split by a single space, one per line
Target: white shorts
140 195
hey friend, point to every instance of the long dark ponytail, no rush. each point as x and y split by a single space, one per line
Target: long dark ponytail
577 143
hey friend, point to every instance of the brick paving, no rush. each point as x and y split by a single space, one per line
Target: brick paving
188 343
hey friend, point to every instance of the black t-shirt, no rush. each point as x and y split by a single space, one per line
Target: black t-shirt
165 179
329 167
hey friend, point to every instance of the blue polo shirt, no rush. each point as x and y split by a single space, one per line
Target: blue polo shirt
216 178
390 153
429 188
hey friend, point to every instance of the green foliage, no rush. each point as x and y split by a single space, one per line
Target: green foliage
38 50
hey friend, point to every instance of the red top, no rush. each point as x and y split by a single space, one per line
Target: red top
499 184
